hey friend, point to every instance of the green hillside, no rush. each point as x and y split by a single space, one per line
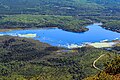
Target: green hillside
68 23
111 72
59 7
26 59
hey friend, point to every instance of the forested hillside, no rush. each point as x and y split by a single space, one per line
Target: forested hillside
60 7
26 59
111 72
67 23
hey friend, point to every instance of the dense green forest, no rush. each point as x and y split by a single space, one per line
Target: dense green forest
50 7
60 7
26 59
111 71
67 23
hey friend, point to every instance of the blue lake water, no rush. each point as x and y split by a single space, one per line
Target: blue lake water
56 37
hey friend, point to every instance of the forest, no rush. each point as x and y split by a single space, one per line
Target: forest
67 23
59 7
27 59
111 72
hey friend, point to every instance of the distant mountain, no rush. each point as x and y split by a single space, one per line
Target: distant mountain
109 4
60 7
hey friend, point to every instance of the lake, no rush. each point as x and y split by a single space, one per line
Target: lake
59 37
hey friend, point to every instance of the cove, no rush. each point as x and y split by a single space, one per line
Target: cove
58 37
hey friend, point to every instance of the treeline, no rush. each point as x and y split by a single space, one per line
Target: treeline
67 23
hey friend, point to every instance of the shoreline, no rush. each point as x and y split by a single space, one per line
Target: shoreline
11 29
50 27
101 44
118 31
4 30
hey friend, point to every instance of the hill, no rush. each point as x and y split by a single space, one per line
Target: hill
26 59
60 7
111 72
68 23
